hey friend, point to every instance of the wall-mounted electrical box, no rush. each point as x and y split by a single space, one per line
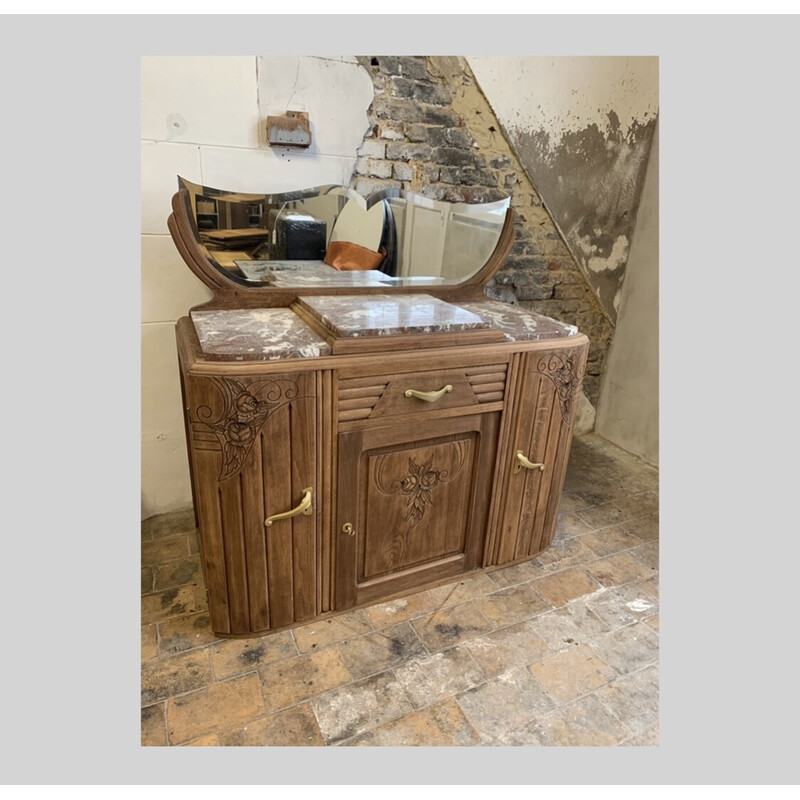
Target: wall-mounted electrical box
292 129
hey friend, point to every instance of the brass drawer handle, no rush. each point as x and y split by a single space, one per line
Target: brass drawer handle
304 508
348 529
429 397
523 462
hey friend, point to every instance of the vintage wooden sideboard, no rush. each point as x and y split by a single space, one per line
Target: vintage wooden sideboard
355 436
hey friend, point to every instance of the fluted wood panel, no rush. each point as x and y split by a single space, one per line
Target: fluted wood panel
254 453
546 399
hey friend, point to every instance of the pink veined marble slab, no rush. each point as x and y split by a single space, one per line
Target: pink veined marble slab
351 316
258 334
289 274
520 324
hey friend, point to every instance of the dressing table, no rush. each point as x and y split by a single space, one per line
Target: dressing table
361 434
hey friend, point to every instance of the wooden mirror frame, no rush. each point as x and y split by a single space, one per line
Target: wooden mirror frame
230 294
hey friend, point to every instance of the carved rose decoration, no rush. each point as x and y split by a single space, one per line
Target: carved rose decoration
563 372
417 485
242 416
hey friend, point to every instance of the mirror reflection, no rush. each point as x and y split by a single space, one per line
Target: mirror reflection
331 236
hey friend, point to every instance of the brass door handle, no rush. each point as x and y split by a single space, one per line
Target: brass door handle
304 508
348 529
523 462
429 397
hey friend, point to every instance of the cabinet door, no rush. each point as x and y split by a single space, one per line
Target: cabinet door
412 504
253 456
545 401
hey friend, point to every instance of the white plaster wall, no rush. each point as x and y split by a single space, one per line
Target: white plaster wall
204 118
627 410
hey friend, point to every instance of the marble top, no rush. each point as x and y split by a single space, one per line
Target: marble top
351 316
266 334
307 273
520 324
258 334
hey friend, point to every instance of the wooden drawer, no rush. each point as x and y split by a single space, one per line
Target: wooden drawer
381 396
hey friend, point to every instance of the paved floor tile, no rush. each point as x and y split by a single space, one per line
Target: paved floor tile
148 577
568 626
288 682
220 706
648 738
502 705
516 645
622 605
294 727
618 569
561 587
185 633
649 586
238 656
149 642
381 650
366 739
514 604
515 574
570 524
332 630
427 679
562 554
603 515
610 540
439 725
178 674
360 707
168 524
401 610
644 528
209 740
451 626
647 554
628 649
453 594
170 548
154 729
584 723
633 699
177 573
568 675
174 602
636 506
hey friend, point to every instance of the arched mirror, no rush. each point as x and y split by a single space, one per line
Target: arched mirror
330 236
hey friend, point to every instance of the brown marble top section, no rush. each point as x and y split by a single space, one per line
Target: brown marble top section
289 274
349 316
519 324
259 334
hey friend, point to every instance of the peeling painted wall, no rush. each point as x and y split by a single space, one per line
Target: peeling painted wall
582 128
627 411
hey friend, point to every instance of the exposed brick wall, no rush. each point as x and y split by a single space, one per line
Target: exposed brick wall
434 133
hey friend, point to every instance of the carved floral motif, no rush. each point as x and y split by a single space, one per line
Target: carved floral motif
418 484
246 406
562 369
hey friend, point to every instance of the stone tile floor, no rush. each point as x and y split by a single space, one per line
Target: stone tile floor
561 650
